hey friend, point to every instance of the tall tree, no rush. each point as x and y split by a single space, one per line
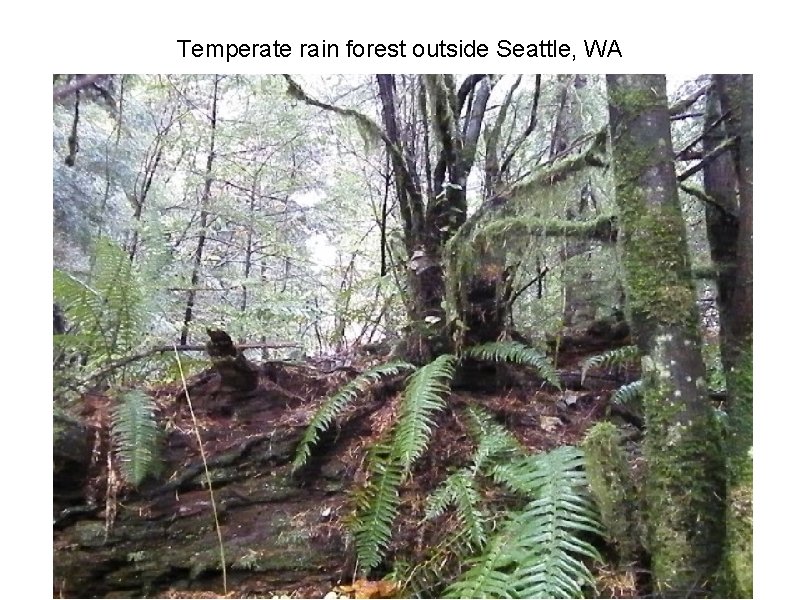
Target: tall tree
736 101
205 199
683 447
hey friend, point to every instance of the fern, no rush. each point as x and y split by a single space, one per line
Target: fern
488 576
336 403
136 436
538 553
516 353
425 395
428 576
459 490
389 464
494 440
377 506
616 357
628 393
106 312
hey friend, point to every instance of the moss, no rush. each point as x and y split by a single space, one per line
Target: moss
613 489
90 533
685 478
685 475
737 576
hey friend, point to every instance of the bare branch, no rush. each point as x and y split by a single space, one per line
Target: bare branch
683 104
727 144
528 130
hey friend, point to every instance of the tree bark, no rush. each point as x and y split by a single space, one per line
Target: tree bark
736 98
722 224
683 447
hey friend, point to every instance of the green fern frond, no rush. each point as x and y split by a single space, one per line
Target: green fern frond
425 395
377 505
107 311
487 576
459 490
335 404
538 553
618 357
516 353
429 576
116 280
628 392
136 436
493 439
389 464
83 306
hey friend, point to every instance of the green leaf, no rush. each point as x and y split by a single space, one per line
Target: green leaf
515 352
136 436
335 404
424 396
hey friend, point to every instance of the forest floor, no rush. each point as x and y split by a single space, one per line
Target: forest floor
540 416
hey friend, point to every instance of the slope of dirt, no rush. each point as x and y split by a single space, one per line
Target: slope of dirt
283 533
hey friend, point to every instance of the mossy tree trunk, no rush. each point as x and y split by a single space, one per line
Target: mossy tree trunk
683 447
430 127
735 94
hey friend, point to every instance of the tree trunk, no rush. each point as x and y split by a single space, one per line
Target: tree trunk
722 223
736 98
201 238
683 447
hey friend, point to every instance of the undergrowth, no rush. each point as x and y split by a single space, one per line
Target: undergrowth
530 544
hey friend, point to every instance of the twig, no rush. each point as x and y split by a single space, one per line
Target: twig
519 292
711 156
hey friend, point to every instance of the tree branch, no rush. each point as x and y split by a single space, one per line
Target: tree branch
528 130
683 104
118 364
724 146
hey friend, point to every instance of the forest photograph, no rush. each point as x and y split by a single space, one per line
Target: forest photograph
402 336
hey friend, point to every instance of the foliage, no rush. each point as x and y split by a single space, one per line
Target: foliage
494 441
613 490
516 352
537 552
336 403
425 395
616 357
105 314
136 436
377 505
628 393
391 461
459 490
388 464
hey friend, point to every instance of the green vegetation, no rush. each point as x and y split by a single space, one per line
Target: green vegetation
404 229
